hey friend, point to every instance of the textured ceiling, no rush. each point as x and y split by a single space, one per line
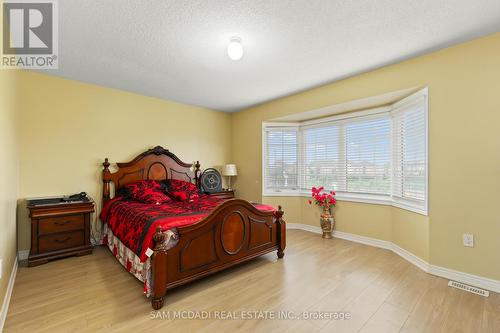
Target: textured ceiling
177 49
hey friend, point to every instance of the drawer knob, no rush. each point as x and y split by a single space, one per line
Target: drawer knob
60 241
61 223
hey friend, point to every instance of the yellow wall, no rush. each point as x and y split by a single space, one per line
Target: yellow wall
8 176
410 231
464 154
67 128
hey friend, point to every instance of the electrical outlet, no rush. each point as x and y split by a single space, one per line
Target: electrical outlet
468 240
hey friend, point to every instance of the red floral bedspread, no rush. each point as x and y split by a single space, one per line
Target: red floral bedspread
134 223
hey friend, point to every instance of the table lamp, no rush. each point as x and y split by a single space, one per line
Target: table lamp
229 171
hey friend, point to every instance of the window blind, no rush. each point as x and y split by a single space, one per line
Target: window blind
410 152
324 158
348 156
371 156
368 145
280 159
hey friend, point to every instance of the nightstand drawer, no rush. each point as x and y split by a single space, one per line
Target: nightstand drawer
60 241
60 224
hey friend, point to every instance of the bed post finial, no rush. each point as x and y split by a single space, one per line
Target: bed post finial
106 164
159 239
279 214
197 174
105 179
281 232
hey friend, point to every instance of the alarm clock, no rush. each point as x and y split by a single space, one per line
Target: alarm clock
211 181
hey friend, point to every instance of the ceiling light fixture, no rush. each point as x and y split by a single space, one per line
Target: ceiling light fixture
235 48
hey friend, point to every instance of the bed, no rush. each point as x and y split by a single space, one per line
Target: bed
168 245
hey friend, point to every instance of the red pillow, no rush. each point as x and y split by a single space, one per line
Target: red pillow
151 196
179 195
146 191
180 185
181 190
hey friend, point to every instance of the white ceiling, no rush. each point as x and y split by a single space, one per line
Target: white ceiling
176 49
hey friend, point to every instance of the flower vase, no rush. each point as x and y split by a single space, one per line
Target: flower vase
327 222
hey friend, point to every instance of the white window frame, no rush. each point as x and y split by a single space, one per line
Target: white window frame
407 203
276 192
380 199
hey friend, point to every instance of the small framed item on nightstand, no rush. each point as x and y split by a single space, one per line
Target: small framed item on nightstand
60 227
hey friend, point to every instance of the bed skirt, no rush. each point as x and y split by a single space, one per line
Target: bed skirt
130 261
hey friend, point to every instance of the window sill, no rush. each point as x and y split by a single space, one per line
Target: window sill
410 207
282 194
360 198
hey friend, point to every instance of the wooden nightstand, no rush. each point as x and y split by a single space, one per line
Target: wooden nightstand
59 230
223 194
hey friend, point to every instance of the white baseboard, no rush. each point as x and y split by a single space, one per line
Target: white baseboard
410 257
474 280
305 227
343 235
23 255
363 240
8 294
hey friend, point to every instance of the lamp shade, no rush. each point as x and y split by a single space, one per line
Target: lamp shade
229 170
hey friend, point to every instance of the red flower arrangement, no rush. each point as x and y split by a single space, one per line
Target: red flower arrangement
323 199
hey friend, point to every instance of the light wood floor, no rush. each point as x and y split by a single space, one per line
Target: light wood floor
382 292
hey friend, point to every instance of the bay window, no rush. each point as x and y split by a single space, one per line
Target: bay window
374 156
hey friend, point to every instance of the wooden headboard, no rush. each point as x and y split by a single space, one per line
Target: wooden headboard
157 163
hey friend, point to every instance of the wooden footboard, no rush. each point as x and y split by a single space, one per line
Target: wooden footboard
233 233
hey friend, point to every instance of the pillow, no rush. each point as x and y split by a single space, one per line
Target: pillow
180 190
151 196
179 195
146 191
174 185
